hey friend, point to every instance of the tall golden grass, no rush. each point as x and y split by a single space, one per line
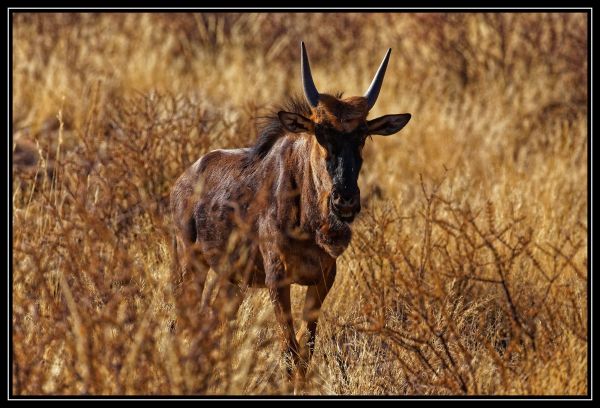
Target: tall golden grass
467 273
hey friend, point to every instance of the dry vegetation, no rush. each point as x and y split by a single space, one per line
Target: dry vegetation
467 273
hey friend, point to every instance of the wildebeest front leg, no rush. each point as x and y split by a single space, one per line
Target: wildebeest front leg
315 296
279 292
281 299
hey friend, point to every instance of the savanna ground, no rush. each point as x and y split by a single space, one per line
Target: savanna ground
467 272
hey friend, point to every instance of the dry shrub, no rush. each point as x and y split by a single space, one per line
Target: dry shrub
467 273
462 302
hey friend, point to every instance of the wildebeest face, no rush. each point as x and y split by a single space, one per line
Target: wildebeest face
343 154
340 126
343 161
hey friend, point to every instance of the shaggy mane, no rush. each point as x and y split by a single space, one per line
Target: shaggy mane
271 129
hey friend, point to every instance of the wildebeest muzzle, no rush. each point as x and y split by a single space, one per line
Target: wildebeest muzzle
345 204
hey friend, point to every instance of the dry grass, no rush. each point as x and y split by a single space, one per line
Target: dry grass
467 273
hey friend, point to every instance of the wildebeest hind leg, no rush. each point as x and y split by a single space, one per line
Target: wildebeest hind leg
190 281
229 299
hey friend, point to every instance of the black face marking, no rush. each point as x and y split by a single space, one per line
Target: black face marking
343 161
343 150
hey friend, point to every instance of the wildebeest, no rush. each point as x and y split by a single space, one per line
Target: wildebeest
279 212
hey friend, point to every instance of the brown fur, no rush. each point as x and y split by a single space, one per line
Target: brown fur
260 216
279 197
341 114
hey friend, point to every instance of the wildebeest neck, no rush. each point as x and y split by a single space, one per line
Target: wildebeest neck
301 190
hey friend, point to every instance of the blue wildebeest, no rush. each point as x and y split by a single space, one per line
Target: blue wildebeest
279 212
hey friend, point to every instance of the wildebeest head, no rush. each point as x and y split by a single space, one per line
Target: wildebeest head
341 128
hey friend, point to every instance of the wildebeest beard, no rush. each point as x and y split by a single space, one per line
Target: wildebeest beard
334 235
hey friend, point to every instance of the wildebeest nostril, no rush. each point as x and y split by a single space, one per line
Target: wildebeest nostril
344 200
349 201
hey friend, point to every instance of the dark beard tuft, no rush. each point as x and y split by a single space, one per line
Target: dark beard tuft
334 236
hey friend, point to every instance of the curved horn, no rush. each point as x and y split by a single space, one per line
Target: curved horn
373 91
310 90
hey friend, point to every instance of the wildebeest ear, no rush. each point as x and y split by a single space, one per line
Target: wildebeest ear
388 124
296 123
